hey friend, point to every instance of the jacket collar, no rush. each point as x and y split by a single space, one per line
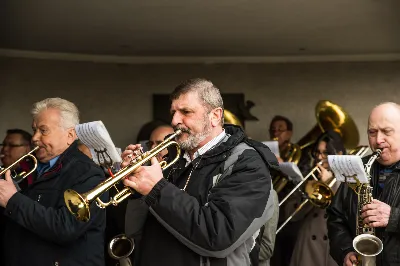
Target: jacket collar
59 163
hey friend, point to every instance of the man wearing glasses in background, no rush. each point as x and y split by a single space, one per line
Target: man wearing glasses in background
281 129
16 144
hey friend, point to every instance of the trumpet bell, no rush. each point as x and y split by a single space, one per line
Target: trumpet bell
319 194
77 205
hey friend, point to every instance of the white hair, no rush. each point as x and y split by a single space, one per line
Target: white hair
69 113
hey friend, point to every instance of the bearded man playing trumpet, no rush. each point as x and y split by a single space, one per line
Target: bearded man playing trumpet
383 213
209 208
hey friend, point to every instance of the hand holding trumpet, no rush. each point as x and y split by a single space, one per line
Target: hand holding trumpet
7 189
144 178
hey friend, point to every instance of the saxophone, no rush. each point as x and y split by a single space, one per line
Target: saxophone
366 244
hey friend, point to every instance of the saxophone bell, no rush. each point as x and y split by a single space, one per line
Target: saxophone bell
368 247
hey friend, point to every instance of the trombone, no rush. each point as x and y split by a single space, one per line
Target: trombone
78 204
17 178
320 196
318 193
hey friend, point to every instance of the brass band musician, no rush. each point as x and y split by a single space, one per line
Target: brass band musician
312 246
17 143
281 129
39 228
203 212
383 213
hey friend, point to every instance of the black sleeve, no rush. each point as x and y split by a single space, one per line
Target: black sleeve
339 232
55 225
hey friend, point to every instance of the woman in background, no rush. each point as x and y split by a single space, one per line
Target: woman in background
312 245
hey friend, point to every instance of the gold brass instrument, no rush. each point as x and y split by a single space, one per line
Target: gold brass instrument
20 176
332 116
366 244
230 118
120 248
292 154
78 204
318 193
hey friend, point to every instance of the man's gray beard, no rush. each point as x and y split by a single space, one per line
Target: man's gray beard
194 140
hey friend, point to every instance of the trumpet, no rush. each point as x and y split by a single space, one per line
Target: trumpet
17 178
120 248
79 204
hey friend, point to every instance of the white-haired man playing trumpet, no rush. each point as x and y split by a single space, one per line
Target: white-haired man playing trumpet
39 228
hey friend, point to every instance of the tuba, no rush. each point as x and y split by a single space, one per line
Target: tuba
17 178
332 116
366 244
329 116
79 204
230 118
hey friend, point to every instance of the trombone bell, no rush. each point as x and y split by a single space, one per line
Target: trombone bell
78 204
319 194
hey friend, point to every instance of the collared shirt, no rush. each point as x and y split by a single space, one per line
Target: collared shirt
44 167
208 146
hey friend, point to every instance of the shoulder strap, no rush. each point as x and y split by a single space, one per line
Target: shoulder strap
268 157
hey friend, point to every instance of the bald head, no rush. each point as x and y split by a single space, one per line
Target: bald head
384 132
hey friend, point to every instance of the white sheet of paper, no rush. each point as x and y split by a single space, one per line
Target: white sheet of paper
273 146
347 166
291 170
95 136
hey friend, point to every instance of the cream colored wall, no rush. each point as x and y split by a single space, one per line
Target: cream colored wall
121 95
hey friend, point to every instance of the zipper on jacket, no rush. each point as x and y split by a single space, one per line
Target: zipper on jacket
38 198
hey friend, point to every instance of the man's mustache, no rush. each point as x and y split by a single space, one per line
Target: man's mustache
186 130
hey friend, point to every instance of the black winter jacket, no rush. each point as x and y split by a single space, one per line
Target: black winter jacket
40 231
217 219
342 218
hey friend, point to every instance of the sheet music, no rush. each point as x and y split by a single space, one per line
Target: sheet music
273 146
291 170
95 136
344 166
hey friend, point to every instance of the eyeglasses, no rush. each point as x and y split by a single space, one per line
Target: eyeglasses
11 145
324 154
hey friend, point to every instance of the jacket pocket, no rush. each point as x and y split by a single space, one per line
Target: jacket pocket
48 197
